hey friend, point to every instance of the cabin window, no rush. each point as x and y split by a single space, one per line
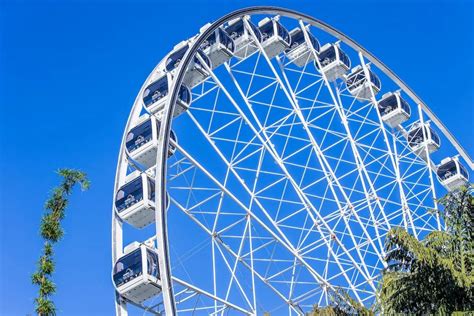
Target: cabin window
356 79
344 58
139 135
267 30
226 40
447 170
204 57
434 136
175 58
129 194
297 39
152 263
327 56
128 267
314 41
210 40
405 106
184 94
463 171
236 30
151 189
283 32
256 31
156 91
374 79
416 136
388 104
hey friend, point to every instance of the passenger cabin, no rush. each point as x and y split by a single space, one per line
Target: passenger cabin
420 136
196 72
394 109
219 46
155 97
275 37
135 200
361 87
334 61
243 38
142 141
136 274
300 52
452 174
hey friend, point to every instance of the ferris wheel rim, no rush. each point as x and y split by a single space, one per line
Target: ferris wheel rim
178 79
163 139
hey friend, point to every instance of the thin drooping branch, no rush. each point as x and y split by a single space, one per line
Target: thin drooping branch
52 232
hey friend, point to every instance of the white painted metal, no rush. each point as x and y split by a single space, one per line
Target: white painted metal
455 176
136 212
396 114
360 167
159 99
360 84
421 137
144 286
301 54
244 44
347 221
143 149
274 41
332 68
195 73
427 146
407 217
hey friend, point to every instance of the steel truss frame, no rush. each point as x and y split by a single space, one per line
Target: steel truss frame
346 249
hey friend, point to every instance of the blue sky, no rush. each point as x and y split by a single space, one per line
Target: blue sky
69 72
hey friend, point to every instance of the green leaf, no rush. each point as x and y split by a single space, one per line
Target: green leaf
435 275
52 232
47 288
51 228
45 307
36 278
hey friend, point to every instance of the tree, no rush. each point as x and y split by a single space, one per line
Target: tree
434 275
342 304
52 232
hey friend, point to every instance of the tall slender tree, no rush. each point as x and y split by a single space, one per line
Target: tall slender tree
52 232
435 275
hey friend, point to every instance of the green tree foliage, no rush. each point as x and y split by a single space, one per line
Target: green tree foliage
52 232
341 305
435 275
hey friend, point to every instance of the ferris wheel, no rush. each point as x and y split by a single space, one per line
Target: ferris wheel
262 165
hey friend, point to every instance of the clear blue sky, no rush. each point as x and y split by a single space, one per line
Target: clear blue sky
69 73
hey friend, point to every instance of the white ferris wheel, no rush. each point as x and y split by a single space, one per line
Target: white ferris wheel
262 165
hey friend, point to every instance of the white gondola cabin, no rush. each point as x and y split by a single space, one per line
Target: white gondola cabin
196 72
452 174
219 46
420 136
142 141
360 86
136 274
243 39
275 37
300 52
135 200
155 97
394 109
334 61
